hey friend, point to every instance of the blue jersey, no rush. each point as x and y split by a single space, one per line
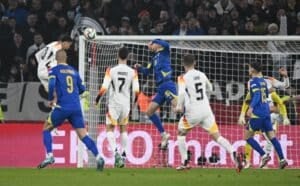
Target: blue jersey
259 94
66 82
160 64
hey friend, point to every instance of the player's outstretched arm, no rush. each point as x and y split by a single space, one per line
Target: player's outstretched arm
281 84
144 70
104 87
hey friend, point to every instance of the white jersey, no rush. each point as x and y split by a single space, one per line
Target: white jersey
193 86
118 80
46 60
274 83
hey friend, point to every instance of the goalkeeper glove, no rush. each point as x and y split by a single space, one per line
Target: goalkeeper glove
286 121
242 120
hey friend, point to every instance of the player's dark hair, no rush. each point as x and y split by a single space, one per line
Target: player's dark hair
188 60
66 38
256 66
123 53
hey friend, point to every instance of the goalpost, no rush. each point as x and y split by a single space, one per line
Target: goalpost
223 59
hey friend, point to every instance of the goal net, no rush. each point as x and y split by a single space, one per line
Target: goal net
224 60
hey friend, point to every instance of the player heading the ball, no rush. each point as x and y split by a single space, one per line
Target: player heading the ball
166 88
46 57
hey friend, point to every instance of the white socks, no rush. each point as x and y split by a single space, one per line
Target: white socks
182 148
49 155
124 139
269 146
98 157
225 144
112 141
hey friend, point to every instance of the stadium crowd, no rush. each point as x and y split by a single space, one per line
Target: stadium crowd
28 25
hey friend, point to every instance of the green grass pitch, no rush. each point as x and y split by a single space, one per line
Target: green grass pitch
147 177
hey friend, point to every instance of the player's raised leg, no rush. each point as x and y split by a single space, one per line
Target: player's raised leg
215 134
151 112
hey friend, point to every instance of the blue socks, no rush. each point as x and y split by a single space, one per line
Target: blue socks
157 122
251 141
90 144
47 138
277 147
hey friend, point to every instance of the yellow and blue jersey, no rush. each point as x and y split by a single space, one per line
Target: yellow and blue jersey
259 94
65 81
160 64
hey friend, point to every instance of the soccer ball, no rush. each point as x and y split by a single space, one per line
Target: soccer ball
89 33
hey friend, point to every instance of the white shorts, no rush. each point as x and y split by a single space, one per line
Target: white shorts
117 115
206 121
43 76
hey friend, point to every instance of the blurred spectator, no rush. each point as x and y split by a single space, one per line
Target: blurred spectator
63 26
259 26
50 26
269 10
184 6
125 24
17 11
291 13
17 56
11 22
183 28
249 28
103 22
213 19
145 23
244 9
58 8
166 22
30 28
36 7
194 27
224 7
158 28
73 10
37 45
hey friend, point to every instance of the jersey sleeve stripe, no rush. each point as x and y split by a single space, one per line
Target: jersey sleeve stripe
52 76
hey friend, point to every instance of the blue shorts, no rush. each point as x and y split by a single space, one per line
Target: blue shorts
165 92
58 116
261 124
